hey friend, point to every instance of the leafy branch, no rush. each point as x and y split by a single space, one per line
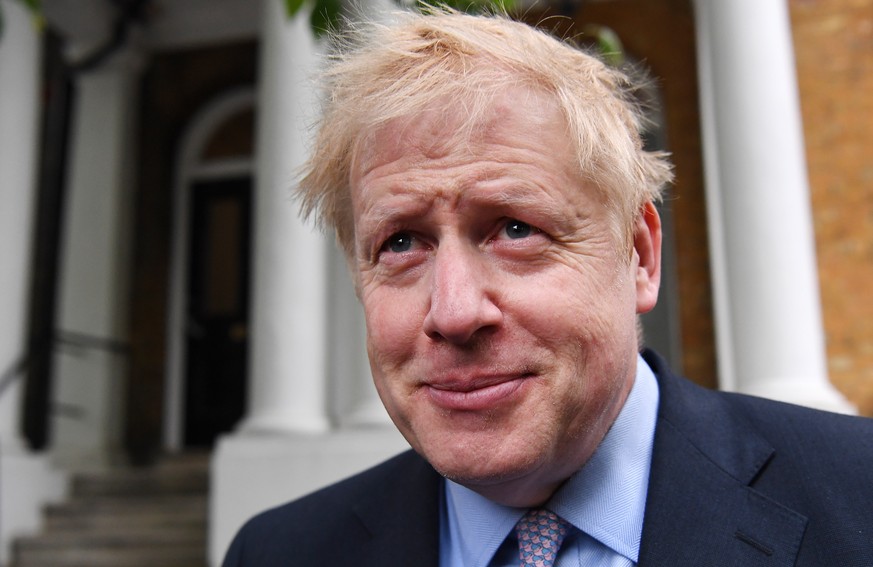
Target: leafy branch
35 7
326 14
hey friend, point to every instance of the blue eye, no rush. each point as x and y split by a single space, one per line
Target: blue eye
397 243
516 229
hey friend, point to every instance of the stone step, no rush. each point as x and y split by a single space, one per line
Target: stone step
146 539
179 475
146 482
139 547
126 518
127 513
130 505
112 524
165 556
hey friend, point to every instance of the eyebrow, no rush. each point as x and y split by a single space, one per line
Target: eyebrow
399 208
414 203
525 196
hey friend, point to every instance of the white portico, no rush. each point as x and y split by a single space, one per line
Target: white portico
769 326
312 414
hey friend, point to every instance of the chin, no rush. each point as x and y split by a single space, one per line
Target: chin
479 468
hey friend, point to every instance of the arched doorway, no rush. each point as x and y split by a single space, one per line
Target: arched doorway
192 110
208 328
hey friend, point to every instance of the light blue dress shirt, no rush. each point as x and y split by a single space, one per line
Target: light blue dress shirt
604 501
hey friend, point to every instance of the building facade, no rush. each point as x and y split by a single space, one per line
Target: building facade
162 295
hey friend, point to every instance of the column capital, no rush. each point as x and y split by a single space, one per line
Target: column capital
128 59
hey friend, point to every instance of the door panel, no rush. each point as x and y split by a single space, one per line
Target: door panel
217 318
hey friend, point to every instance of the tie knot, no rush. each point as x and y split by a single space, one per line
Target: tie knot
540 533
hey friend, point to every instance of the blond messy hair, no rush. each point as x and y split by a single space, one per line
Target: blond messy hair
381 72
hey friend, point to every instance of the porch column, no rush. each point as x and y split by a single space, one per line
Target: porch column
19 121
27 481
289 353
90 358
354 401
768 315
310 392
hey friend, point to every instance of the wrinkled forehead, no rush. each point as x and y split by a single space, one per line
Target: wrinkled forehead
442 126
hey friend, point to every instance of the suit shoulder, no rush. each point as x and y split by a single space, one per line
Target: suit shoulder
302 524
332 500
692 407
735 428
805 426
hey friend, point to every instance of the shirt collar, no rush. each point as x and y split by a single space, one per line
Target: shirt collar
605 498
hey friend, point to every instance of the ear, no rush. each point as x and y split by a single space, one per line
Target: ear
647 257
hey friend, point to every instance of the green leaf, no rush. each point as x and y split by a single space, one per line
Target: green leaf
608 43
325 16
35 8
292 7
475 6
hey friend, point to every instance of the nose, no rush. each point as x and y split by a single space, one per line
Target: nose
462 297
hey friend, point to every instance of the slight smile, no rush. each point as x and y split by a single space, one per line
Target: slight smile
478 395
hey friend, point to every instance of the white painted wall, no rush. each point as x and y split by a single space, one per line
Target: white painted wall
27 481
95 267
19 80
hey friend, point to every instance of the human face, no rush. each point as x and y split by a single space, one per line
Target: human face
501 312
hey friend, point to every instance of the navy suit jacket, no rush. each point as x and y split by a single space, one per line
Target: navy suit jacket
735 481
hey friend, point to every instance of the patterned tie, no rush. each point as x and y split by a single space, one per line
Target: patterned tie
540 534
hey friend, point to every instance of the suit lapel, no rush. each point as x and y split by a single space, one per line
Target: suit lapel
402 519
700 509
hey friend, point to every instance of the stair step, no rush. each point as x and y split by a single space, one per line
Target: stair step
168 556
146 539
196 504
107 515
140 482
127 518
114 522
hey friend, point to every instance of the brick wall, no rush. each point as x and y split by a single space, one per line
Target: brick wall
833 41
834 51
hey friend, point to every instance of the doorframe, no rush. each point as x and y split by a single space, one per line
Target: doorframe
191 169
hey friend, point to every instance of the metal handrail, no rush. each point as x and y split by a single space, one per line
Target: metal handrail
81 340
13 373
67 338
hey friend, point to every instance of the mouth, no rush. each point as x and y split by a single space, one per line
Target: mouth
476 395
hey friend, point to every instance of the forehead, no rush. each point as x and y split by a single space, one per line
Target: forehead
516 161
497 125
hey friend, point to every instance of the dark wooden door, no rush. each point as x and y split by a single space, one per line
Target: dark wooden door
218 299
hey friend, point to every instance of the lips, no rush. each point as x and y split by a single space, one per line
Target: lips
477 394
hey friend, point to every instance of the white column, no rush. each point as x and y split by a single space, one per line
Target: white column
19 93
354 400
27 482
309 368
768 316
288 373
95 263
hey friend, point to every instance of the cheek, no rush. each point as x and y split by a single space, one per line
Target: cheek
393 327
579 314
566 299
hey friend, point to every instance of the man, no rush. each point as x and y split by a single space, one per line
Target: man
489 187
